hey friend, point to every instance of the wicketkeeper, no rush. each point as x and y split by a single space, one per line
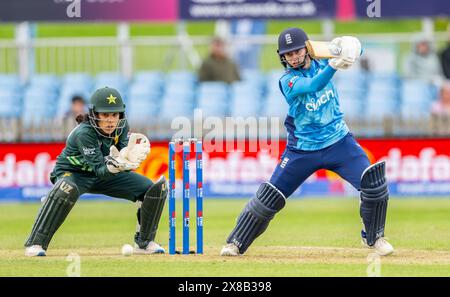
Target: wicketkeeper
318 138
99 157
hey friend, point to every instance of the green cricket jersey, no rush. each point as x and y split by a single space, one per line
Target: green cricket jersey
85 151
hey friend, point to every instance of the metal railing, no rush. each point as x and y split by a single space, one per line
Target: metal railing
96 54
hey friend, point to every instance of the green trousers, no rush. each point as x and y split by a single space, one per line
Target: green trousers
124 185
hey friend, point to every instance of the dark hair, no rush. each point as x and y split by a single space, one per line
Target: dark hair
82 118
77 98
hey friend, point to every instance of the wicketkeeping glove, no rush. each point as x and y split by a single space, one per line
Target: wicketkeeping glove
115 163
137 149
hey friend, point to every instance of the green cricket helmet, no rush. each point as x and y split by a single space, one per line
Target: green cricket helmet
107 100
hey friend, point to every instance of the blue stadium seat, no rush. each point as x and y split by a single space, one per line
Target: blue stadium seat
275 75
385 81
45 82
113 80
65 99
275 106
417 97
10 81
78 78
253 77
148 76
179 75
351 76
416 91
174 106
11 103
383 95
38 104
213 98
351 105
381 103
245 99
73 84
143 90
142 108
246 88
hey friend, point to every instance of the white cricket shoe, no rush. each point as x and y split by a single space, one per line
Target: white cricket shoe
382 247
34 251
152 248
230 250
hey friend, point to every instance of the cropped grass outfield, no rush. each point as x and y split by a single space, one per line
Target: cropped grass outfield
309 237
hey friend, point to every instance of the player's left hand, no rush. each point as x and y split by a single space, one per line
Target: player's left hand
115 163
350 48
137 149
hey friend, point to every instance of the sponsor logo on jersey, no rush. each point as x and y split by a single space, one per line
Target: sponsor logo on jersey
87 151
326 96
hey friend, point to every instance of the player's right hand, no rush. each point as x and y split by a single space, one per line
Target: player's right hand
137 149
115 163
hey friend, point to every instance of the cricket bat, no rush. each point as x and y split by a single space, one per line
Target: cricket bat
322 49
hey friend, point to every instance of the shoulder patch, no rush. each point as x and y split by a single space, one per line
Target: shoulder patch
292 81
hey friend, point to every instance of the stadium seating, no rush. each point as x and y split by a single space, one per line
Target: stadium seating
153 96
416 97
10 96
245 99
73 84
11 102
213 98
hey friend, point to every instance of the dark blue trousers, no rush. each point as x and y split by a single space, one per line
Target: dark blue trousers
345 157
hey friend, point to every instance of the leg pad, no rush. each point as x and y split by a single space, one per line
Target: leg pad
374 200
52 214
255 217
150 212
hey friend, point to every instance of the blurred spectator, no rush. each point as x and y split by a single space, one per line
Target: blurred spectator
422 62
440 112
78 107
218 66
442 105
445 57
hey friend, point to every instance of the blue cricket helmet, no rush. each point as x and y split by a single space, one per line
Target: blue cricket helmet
289 40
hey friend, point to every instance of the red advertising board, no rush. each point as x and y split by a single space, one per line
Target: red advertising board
414 166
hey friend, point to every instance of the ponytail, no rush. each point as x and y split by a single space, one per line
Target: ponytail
82 118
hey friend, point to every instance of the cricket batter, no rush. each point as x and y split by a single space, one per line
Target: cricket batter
318 138
98 158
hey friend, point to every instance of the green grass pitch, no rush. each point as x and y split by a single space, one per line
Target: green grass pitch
310 237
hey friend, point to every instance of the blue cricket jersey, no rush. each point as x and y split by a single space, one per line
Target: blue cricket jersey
314 120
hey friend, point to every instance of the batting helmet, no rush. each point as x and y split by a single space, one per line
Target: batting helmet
289 40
